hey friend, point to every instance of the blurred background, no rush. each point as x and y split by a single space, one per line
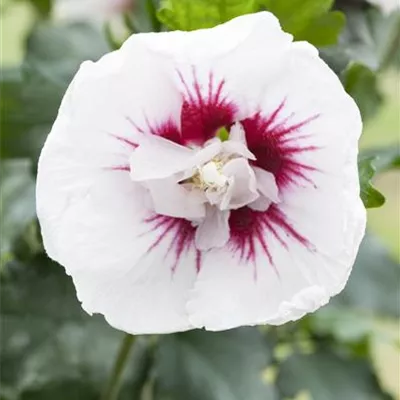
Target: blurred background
355 341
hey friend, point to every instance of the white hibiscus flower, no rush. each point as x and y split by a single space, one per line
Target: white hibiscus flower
165 227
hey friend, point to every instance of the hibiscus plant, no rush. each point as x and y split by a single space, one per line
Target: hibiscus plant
183 194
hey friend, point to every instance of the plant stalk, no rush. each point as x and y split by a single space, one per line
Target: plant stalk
114 383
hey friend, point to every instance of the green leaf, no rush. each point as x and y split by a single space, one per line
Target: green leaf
362 84
62 390
371 197
31 95
295 15
347 325
329 376
368 38
49 344
43 7
152 14
56 51
373 286
308 20
371 38
201 365
17 200
385 158
189 15
323 30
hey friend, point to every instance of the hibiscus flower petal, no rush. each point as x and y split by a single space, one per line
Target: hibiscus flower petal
134 270
290 259
172 199
157 158
267 184
243 189
214 230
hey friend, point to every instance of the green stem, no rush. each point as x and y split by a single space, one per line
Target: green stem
130 23
110 37
114 383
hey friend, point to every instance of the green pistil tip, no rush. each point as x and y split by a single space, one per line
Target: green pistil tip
223 134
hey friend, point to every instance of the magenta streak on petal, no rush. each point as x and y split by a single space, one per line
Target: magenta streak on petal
180 234
133 123
275 143
125 140
121 168
249 227
204 111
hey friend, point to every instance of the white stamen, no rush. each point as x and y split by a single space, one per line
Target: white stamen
211 175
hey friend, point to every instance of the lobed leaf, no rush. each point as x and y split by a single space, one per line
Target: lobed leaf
373 286
370 196
32 94
326 375
50 347
201 365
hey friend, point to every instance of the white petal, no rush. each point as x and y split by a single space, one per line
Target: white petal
158 158
299 281
101 239
233 147
237 133
208 152
266 184
231 52
237 142
201 157
214 230
92 217
170 198
300 277
207 44
243 189
262 203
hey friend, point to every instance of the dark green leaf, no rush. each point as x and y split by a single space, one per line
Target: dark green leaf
362 84
188 15
62 390
48 343
31 96
371 197
152 13
374 283
328 376
17 199
201 365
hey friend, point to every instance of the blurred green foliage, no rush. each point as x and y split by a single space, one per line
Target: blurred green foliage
52 350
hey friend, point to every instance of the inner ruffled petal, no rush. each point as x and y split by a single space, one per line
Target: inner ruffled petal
157 158
174 200
266 184
243 187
